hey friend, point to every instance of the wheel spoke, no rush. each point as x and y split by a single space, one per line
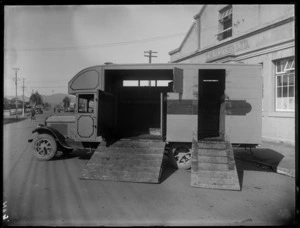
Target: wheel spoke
43 147
182 157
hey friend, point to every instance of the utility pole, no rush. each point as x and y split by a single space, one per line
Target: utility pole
16 82
23 98
150 52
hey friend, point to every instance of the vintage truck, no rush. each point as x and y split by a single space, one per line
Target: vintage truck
156 106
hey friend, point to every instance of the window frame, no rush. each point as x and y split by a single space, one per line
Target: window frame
88 108
225 15
284 71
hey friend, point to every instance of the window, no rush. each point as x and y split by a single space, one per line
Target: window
146 83
86 103
285 84
130 83
225 23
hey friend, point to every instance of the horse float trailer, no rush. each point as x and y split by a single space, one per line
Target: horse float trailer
131 116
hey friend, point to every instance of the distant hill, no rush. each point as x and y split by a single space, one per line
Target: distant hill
20 98
57 98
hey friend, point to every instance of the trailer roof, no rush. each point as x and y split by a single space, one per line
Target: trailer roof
113 65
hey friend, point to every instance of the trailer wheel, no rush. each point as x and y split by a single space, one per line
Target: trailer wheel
44 147
180 156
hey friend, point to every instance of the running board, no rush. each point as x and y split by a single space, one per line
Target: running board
126 160
213 166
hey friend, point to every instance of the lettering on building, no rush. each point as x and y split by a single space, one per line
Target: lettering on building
228 49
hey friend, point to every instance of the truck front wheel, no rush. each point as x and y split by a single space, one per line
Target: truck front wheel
44 147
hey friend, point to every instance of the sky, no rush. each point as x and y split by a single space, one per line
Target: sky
50 44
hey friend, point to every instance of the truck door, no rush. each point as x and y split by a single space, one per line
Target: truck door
85 117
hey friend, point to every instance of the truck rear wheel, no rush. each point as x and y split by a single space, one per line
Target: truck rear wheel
44 147
180 156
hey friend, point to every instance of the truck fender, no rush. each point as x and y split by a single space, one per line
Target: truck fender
59 138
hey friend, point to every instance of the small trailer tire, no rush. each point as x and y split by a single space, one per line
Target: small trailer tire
180 156
44 147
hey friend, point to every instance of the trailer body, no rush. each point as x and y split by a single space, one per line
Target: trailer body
179 102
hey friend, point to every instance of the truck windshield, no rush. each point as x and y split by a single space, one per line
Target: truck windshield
86 103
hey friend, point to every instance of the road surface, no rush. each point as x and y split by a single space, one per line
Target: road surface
50 193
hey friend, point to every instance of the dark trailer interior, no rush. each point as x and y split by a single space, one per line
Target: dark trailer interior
138 107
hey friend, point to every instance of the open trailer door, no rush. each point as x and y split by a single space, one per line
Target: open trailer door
243 107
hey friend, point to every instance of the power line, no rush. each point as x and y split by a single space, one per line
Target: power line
150 56
97 46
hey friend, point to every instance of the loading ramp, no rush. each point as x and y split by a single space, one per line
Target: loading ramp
213 165
126 160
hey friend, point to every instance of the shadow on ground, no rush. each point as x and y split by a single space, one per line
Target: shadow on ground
261 160
80 154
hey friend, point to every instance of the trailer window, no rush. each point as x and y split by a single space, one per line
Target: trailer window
146 83
163 83
129 83
86 103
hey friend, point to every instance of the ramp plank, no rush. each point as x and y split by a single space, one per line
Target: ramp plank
213 166
132 161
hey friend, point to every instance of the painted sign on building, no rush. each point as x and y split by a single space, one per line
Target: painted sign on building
232 48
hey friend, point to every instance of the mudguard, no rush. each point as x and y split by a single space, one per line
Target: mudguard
59 138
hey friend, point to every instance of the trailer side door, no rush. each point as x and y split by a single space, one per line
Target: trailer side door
243 107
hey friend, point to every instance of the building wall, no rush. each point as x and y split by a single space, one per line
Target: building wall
191 41
261 34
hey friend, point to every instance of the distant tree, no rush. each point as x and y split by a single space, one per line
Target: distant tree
36 99
66 102
6 103
46 105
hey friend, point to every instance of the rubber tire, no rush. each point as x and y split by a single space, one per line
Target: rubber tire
172 159
53 147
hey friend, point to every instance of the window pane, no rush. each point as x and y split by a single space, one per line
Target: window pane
291 79
82 107
285 103
127 83
152 82
291 103
227 24
144 83
285 80
289 64
163 82
279 90
279 81
293 64
291 91
91 106
284 91
279 103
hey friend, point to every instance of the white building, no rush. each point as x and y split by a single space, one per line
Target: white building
254 34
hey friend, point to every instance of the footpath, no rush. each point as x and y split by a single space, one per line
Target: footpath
12 118
277 157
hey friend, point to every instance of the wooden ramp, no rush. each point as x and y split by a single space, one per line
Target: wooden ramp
213 166
126 160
